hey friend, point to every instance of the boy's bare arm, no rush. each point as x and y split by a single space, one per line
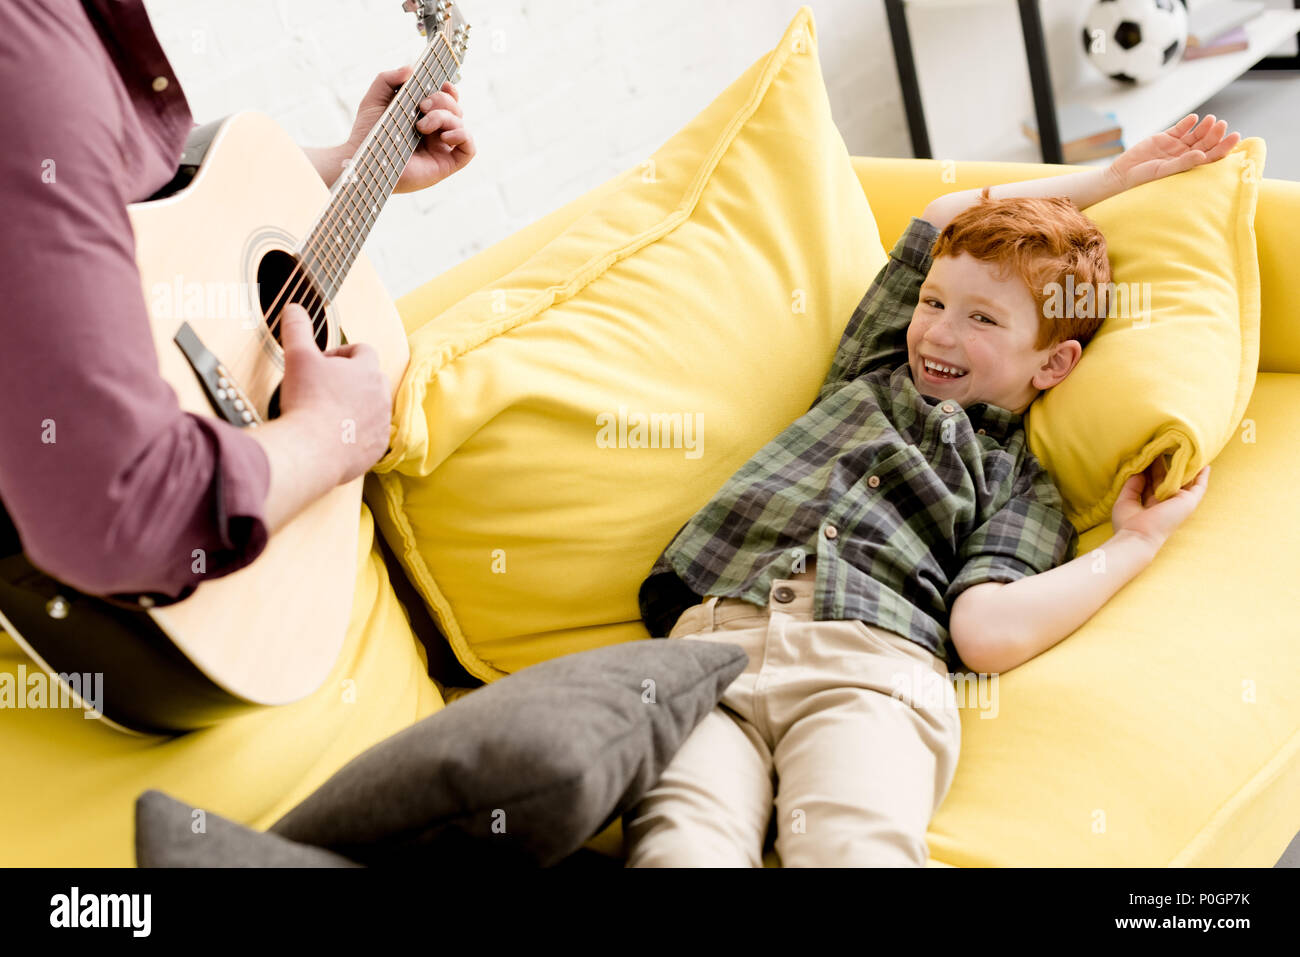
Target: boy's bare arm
996 626
1184 145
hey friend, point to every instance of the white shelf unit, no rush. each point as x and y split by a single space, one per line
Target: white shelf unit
1151 107
1146 108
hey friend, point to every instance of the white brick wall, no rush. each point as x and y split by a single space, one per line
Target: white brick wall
562 94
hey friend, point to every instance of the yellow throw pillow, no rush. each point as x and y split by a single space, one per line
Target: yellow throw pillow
1172 368
555 429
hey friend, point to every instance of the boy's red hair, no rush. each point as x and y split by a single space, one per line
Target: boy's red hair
1042 240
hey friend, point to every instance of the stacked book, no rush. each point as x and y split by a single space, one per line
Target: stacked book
1085 133
1216 27
1230 42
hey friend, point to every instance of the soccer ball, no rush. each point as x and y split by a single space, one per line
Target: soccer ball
1135 41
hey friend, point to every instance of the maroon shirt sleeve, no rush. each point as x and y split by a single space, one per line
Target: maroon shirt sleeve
111 486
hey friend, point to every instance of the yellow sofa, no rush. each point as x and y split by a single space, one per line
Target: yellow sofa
1166 731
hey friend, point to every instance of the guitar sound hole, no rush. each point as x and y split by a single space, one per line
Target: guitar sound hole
280 281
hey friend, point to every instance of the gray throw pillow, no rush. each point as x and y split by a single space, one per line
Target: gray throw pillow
169 834
523 771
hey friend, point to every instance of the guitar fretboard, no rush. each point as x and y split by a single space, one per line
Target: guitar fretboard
368 180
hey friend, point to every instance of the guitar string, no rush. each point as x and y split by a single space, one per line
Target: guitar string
356 190
395 163
320 252
316 258
364 191
333 261
393 173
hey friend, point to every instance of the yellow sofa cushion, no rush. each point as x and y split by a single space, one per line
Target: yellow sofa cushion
525 491
1171 370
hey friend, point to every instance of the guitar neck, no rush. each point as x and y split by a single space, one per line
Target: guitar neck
368 178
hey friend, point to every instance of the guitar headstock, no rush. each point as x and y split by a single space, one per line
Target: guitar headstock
441 18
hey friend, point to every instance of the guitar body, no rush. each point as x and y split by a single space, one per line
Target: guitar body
271 632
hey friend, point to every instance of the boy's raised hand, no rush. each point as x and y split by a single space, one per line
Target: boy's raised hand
1183 146
1138 511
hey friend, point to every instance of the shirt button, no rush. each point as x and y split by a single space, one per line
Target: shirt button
145 601
783 593
874 481
160 83
947 407
981 432
831 531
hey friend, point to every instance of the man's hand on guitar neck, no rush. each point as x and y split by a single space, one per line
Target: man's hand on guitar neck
334 422
447 145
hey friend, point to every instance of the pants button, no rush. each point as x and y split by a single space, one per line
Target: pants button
783 593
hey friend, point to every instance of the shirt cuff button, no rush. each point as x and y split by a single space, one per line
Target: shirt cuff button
160 83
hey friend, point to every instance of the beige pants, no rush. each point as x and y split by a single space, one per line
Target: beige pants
859 726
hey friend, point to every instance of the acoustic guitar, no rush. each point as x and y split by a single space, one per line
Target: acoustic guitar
245 227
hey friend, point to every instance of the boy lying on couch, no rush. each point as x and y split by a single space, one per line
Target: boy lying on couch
899 526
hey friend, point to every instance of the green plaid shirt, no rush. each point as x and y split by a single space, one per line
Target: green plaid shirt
904 501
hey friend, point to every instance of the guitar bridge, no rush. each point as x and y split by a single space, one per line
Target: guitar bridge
227 398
